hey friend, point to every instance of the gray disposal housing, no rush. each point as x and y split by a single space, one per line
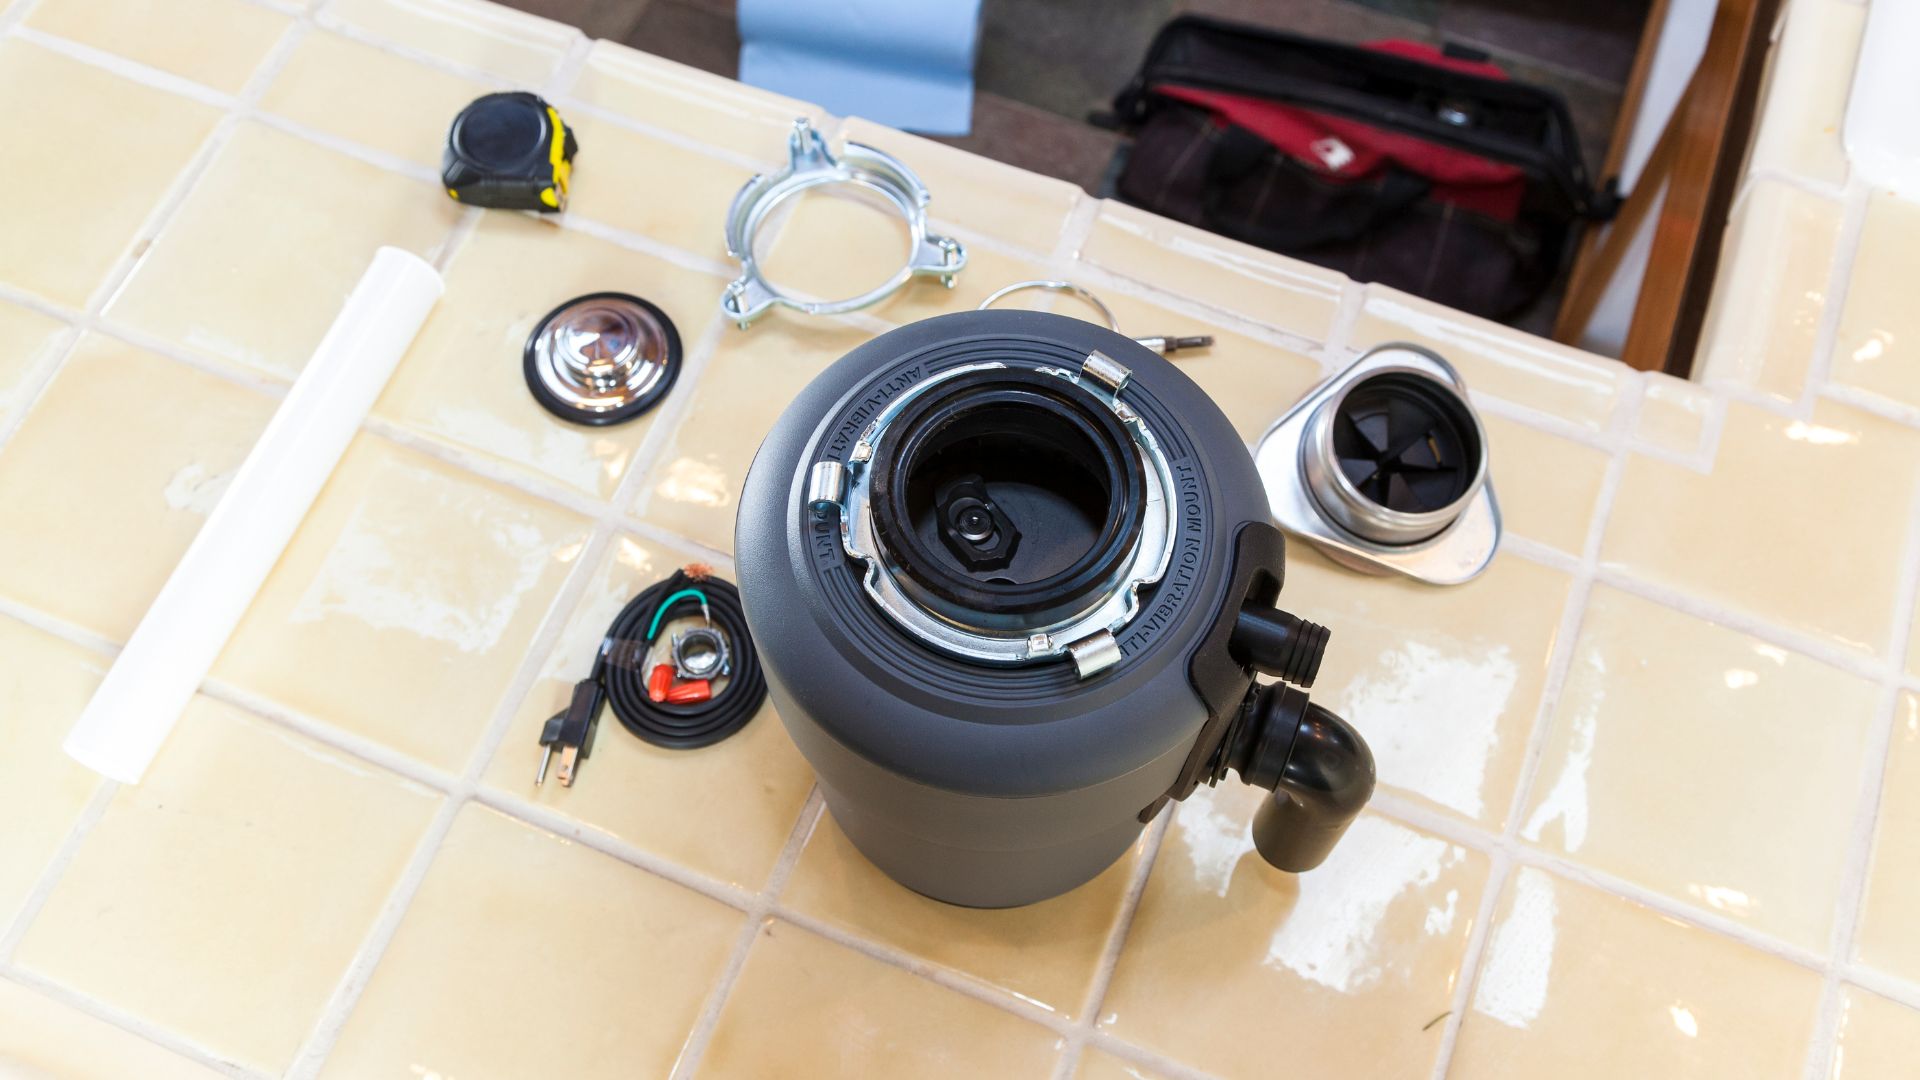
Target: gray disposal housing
991 785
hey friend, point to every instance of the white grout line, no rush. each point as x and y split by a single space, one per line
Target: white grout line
648 246
1826 189
171 200
353 744
58 627
1153 837
34 383
1869 402
56 867
132 70
353 982
570 104
164 1038
1539 553
1846 251
359 971
1626 411
1106 279
1167 1067
1334 353
12 15
1827 652
759 911
322 17
1851 901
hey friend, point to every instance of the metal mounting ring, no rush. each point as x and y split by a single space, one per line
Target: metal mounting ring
810 164
846 491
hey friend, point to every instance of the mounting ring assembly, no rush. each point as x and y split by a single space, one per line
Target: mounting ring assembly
1383 467
602 358
810 165
1020 578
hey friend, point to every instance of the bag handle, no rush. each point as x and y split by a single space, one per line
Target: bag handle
1237 152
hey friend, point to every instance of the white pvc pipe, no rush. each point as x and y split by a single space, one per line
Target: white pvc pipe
183 632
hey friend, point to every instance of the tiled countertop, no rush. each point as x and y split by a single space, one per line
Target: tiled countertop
1650 796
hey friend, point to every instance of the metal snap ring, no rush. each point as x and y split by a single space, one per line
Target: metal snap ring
1164 344
1054 285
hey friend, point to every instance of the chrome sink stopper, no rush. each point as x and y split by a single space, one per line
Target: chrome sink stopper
603 358
1384 468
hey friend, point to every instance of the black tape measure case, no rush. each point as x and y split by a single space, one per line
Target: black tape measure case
509 151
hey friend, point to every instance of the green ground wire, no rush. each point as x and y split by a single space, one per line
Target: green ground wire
669 602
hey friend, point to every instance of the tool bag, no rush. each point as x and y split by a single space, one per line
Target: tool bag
1419 168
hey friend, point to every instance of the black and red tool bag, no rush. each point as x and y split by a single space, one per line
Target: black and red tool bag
1396 162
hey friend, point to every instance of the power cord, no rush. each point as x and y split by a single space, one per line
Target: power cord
683 717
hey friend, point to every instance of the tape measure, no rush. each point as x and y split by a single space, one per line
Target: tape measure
509 151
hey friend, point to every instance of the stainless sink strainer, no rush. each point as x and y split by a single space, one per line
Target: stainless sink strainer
1384 468
602 358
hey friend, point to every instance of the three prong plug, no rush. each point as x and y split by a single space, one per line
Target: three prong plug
570 732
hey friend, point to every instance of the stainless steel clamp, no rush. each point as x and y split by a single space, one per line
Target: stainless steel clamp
810 164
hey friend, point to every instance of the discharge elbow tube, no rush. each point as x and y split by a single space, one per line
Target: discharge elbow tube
1318 768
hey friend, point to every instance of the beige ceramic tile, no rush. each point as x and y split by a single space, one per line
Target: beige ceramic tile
1580 985
1546 485
61 243
119 461
1665 765
224 896
404 603
835 247
27 340
44 683
1576 387
1270 289
257 262
218 43
1878 1039
1818 554
978 193
1879 336
1252 382
462 382
658 189
1888 937
359 92
1043 953
1359 956
41 1038
1673 414
806 1007
688 102
488 37
752 377
1771 290
524 954
725 810
1097 1064
1444 683
1806 94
